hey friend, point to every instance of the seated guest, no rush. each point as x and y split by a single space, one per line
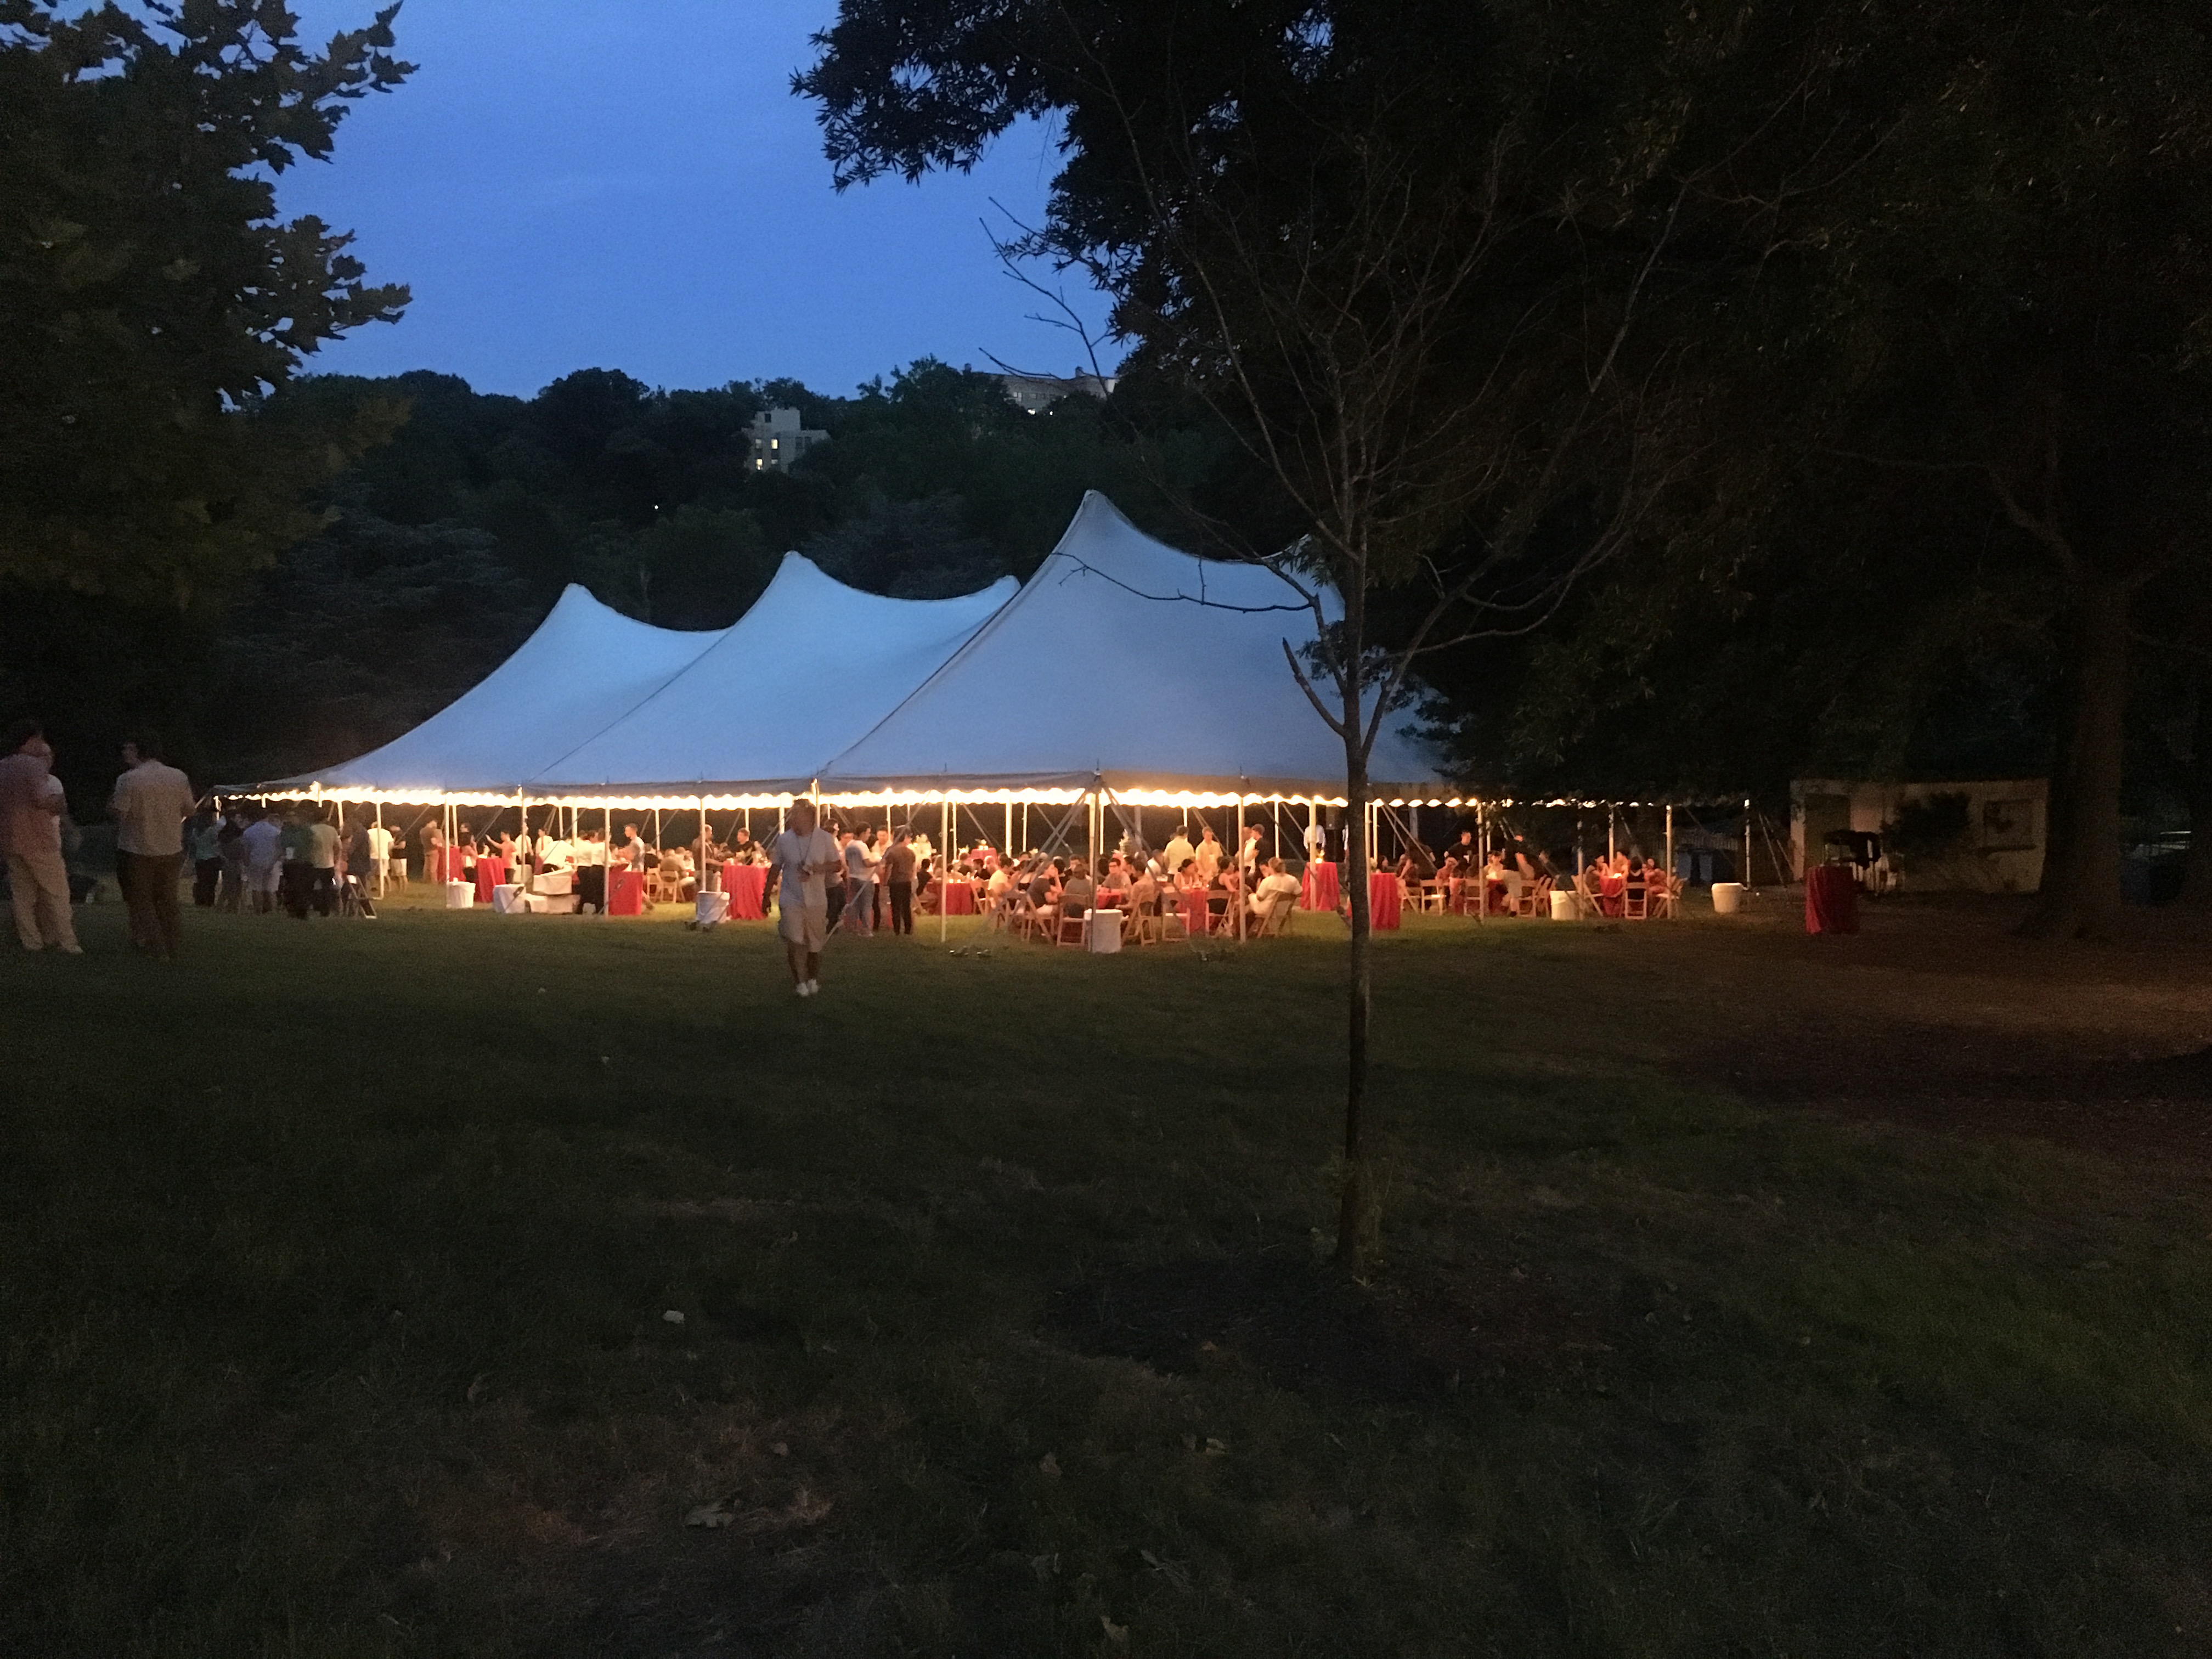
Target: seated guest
1145 893
1079 893
1116 879
1187 876
1276 886
1045 889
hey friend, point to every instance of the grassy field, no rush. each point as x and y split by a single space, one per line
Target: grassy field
338 1264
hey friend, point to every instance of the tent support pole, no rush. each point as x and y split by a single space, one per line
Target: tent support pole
944 866
1612 839
1242 898
1670 849
1746 844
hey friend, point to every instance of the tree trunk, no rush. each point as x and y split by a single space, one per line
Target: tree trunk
2197 873
2081 890
1352 1203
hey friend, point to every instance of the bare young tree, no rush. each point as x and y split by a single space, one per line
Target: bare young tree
1440 377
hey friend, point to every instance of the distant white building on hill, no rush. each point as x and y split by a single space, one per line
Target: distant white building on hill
779 440
1038 393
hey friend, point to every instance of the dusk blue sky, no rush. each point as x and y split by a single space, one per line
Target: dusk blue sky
630 183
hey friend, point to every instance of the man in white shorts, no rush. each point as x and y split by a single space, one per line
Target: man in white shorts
801 856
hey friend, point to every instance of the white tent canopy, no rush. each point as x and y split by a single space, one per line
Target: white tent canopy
584 666
1124 659
811 668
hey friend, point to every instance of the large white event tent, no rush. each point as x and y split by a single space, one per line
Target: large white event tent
1123 671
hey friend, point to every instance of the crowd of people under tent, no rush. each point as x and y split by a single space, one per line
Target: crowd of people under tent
307 858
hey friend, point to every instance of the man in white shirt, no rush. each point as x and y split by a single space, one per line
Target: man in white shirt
1208 853
149 805
1317 840
1276 887
264 861
860 884
32 810
799 856
1247 857
380 856
1177 851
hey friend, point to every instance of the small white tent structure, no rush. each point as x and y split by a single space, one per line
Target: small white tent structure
811 668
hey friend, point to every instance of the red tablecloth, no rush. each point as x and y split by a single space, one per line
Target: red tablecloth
1384 899
1318 890
456 870
1831 899
490 871
1192 900
1612 895
747 886
625 893
959 898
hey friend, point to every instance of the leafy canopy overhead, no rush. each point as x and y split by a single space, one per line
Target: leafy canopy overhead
151 296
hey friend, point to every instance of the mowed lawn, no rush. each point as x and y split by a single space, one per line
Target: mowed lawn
337 1266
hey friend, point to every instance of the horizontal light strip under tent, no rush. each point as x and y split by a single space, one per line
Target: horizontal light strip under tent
1126 661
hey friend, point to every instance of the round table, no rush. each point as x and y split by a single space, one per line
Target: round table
625 893
1385 897
747 886
1317 889
959 898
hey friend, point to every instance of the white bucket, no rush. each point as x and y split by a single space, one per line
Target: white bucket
710 908
1565 906
1102 932
459 895
1727 897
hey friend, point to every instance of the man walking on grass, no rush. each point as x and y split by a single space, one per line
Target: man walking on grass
801 856
151 802
31 811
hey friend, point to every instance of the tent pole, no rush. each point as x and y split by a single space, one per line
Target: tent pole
1242 898
1612 838
1746 844
1670 846
943 865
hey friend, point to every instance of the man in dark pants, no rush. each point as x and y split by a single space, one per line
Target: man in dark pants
151 805
834 888
898 880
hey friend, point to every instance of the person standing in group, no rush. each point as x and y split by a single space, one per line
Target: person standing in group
591 883
322 845
31 811
362 867
434 861
1207 853
152 800
230 847
859 883
202 841
1177 851
834 893
379 859
299 883
802 857
264 861
898 882
1247 857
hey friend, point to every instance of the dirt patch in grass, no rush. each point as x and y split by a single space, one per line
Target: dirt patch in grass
1411 1337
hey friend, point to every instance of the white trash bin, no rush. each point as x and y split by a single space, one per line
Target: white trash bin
1565 907
1727 897
711 908
506 899
1102 932
459 895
